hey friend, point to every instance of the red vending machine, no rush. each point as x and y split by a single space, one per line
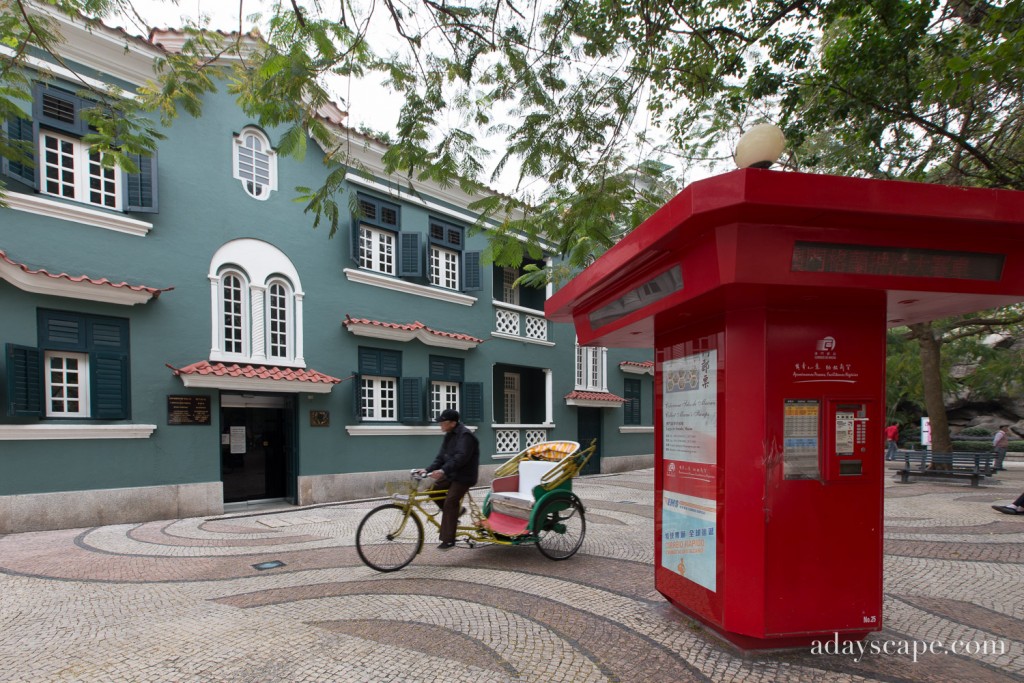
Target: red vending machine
766 296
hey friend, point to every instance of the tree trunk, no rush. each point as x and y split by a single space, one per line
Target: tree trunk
931 379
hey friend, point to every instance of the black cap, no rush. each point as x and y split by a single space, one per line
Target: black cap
447 415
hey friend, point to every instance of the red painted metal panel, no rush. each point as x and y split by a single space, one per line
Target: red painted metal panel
766 296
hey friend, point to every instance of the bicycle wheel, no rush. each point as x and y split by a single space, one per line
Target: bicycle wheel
562 529
388 539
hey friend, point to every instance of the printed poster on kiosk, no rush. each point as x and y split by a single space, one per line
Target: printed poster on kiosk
690 460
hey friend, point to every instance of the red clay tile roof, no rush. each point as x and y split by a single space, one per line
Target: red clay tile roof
594 396
84 279
205 367
638 364
410 327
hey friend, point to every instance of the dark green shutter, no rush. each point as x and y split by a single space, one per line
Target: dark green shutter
631 408
109 386
390 363
108 342
472 402
410 255
59 110
380 362
357 397
61 331
354 240
378 212
140 192
410 399
471 277
24 381
369 361
22 169
445 369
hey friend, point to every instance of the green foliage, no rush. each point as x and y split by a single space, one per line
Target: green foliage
915 89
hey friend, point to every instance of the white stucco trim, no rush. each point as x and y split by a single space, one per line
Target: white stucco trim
392 334
636 370
139 77
255 384
106 49
396 430
636 429
410 198
376 280
48 432
38 283
592 403
74 213
513 337
546 425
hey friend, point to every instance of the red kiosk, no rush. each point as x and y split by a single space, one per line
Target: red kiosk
766 296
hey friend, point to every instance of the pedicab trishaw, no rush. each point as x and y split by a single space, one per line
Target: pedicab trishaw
530 502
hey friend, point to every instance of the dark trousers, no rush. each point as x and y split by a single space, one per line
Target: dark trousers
1020 501
449 506
1000 457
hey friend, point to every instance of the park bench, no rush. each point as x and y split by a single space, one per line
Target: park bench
956 465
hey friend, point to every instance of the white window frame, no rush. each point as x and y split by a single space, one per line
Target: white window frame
378 250
58 391
511 388
243 325
378 398
444 267
591 368
261 266
279 315
509 290
254 163
443 396
75 178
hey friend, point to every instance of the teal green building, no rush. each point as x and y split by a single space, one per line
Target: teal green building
181 341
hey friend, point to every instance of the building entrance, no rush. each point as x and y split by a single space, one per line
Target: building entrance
256 448
588 428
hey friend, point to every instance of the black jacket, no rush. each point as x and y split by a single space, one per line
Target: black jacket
459 456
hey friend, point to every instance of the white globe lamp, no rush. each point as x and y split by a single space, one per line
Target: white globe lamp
760 147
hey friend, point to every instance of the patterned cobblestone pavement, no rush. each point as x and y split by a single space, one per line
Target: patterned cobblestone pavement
181 600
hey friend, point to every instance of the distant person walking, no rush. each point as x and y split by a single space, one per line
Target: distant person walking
1000 442
892 436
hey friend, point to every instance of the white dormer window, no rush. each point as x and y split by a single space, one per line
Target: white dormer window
256 299
255 163
591 368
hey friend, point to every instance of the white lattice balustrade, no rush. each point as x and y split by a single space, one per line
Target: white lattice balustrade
507 440
506 321
535 436
536 328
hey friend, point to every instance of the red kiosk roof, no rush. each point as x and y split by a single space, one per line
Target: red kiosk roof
759 236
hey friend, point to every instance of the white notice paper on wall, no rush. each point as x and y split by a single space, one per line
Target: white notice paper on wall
238 439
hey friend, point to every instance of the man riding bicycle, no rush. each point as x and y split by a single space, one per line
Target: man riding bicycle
456 468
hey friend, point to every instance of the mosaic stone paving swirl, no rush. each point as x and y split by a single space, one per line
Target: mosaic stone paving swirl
183 601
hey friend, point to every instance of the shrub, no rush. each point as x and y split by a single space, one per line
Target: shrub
977 431
972 446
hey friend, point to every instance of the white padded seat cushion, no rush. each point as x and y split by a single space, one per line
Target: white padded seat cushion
530 473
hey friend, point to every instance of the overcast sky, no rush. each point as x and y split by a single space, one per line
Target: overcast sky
367 103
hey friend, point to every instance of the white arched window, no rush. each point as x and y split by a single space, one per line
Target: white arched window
255 163
279 320
234 313
256 304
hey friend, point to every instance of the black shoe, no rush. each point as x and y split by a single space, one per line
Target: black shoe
462 511
446 545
